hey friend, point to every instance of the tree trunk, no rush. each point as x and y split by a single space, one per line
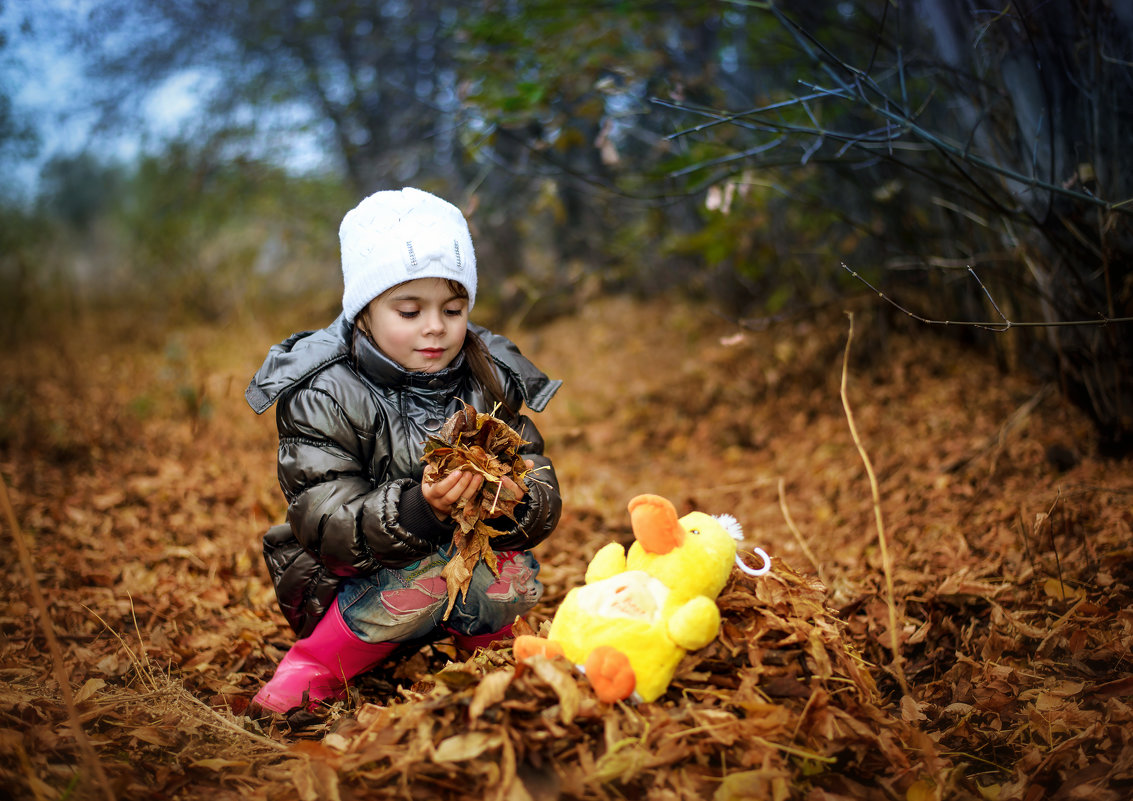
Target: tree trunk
1045 91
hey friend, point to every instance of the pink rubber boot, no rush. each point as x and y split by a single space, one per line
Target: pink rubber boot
318 666
470 642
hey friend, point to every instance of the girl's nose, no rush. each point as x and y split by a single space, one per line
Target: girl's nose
435 322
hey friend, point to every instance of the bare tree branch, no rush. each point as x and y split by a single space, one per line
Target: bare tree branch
1000 327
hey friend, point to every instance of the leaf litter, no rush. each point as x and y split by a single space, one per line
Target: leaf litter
1011 581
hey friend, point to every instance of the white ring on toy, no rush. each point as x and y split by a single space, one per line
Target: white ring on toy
752 571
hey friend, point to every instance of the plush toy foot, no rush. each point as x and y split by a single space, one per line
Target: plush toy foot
610 674
527 646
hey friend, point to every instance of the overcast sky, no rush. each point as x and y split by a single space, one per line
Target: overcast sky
48 87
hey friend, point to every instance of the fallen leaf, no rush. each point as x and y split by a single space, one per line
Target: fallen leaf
922 790
911 710
153 736
466 746
1060 591
564 684
490 691
89 688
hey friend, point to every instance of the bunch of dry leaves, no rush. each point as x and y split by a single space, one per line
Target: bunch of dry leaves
482 443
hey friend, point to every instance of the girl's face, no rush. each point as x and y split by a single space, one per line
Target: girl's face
420 324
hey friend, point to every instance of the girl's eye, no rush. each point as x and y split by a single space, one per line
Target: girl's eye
408 315
454 312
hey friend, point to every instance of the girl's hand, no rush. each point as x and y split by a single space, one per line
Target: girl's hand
513 488
443 495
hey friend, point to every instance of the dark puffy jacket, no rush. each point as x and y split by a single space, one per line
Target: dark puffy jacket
352 425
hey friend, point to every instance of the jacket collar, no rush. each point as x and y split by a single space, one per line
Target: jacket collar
301 355
380 369
296 359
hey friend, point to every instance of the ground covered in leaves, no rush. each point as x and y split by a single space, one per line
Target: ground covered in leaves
139 484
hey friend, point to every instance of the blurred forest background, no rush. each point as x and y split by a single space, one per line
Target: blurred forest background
672 203
971 162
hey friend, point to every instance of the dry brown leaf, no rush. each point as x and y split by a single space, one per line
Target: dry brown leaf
768 783
469 745
564 684
153 736
458 576
1060 591
89 688
911 710
490 691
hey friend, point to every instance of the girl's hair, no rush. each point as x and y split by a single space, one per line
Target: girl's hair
475 352
479 359
481 366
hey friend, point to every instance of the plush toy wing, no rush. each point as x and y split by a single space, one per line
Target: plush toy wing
609 561
695 624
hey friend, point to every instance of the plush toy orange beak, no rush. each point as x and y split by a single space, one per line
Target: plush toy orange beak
655 524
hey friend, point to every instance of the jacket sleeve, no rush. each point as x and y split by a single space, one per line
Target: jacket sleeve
303 587
539 512
350 525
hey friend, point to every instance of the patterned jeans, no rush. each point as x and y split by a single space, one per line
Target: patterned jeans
401 604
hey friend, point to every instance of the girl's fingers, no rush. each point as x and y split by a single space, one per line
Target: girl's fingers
441 495
459 487
454 486
475 481
439 489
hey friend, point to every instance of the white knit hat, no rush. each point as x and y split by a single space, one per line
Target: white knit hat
396 236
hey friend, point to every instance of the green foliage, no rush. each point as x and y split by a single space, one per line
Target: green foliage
18 137
25 240
205 233
543 60
184 231
76 189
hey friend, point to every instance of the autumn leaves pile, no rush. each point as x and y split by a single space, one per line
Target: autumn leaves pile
1013 579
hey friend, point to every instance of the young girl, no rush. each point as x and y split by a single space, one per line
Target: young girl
357 568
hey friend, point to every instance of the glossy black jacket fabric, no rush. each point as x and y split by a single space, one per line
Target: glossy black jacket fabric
352 425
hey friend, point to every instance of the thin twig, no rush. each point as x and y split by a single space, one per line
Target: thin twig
1035 570
999 327
496 497
139 665
85 747
1053 545
886 558
216 719
857 88
797 534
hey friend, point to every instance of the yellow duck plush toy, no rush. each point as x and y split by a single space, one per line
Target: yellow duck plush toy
631 623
